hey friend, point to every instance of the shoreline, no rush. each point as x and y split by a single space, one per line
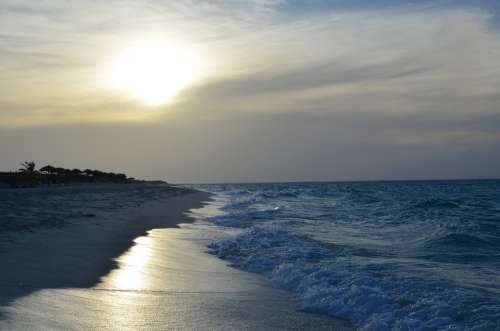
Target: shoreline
140 268
79 254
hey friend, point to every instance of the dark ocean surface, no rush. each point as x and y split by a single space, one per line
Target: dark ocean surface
415 255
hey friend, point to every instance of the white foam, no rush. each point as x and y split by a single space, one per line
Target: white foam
371 297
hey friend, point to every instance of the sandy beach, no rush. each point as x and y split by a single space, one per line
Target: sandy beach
136 270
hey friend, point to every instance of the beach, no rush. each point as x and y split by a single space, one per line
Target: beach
279 256
134 268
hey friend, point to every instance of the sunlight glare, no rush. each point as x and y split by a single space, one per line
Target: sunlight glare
130 275
154 72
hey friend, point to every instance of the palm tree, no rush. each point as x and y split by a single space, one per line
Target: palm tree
28 167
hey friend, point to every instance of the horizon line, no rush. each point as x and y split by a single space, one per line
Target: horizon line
341 181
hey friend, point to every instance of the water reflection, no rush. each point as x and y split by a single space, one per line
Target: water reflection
131 274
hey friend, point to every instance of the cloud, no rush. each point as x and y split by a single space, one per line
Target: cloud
395 61
340 93
364 62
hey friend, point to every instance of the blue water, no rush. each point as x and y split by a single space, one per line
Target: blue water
385 255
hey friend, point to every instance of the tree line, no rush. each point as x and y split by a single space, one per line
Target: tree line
29 176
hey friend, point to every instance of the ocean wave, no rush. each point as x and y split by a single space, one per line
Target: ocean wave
386 255
373 297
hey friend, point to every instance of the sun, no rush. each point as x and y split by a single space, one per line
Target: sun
153 72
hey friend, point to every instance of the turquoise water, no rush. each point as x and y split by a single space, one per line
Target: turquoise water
386 255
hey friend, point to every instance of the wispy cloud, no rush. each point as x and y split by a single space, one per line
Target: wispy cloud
416 76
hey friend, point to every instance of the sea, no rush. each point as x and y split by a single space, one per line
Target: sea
395 255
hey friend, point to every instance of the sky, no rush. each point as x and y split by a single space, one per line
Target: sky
278 90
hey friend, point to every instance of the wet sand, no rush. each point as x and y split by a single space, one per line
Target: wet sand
95 276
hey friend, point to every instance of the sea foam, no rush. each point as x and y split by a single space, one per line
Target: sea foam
386 256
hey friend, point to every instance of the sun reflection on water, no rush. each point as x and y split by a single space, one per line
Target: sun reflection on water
131 273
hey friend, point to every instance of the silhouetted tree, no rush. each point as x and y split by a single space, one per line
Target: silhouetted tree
28 167
27 176
62 171
121 177
48 169
97 173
